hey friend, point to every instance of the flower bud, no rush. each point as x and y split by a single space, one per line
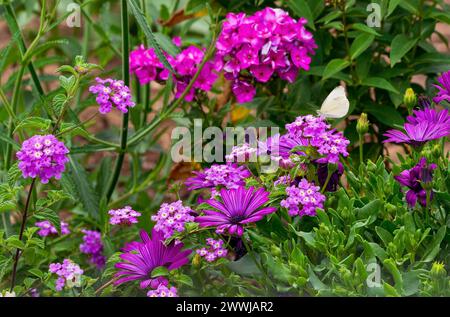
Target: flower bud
410 99
438 270
362 126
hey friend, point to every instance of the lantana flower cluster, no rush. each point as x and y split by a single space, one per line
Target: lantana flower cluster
226 175
111 92
123 216
163 291
93 246
214 250
171 217
46 228
42 156
308 131
259 46
303 199
69 274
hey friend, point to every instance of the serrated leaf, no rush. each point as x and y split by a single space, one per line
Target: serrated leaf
34 123
50 215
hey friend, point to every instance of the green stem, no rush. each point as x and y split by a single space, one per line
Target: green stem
5 224
361 149
126 79
22 229
324 187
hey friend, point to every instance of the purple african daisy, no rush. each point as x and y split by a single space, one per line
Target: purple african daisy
423 126
141 258
444 90
238 207
414 179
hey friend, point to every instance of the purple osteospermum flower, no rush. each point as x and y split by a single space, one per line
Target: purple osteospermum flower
423 126
163 291
42 156
143 257
444 90
172 218
93 246
111 92
46 228
303 199
414 179
69 274
124 216
226 175
238 207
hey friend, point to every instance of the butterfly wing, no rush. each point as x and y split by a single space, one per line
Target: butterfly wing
336 104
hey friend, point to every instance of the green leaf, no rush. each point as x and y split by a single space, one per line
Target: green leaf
302 9
400 45
334 66
379 82
34 123
392 6
360 44
50 215
185 279
384 235
390 265
79 186
140 19
364 28
67 83
14 242
390 291
435 245
160 271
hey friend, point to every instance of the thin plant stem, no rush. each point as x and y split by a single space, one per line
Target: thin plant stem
22 229
125 119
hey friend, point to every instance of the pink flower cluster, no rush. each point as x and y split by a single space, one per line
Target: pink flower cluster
93 246
303 199
241 153
312 131
163 291
214 251
124 216
227 175
172 217
262 45
147 67
69 274
46 228
111 92
42 156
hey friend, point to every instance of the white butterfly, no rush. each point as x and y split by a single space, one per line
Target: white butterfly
336 105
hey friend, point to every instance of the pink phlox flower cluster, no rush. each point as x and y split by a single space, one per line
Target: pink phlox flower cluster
262 45
42 156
